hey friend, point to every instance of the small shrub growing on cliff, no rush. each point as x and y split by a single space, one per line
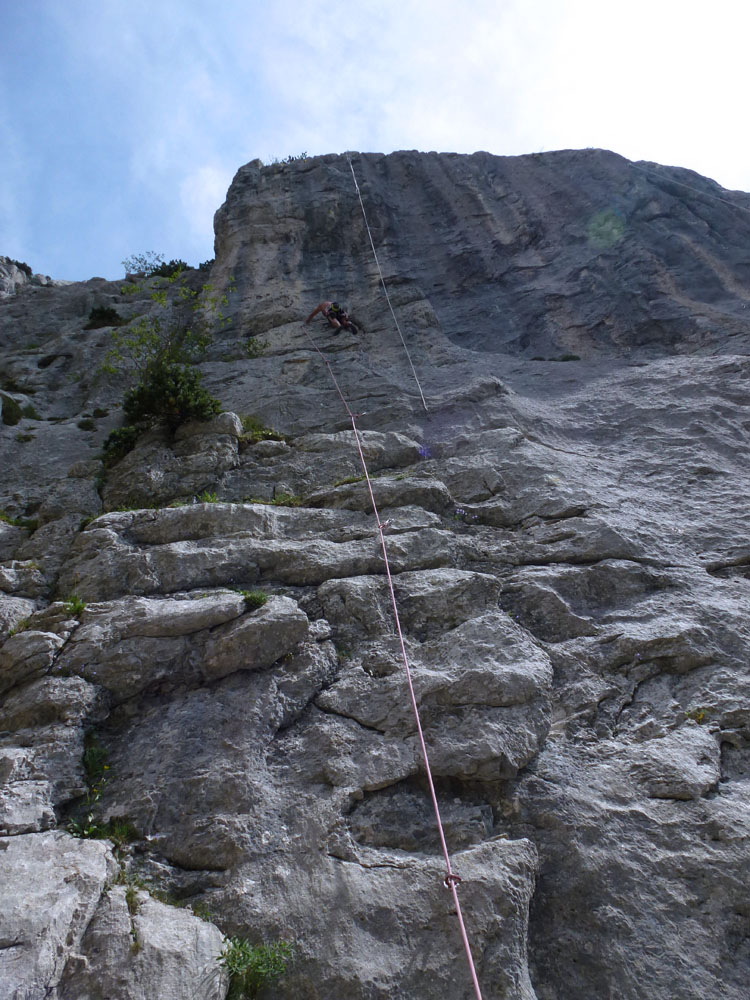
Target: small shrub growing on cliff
160 352
166 270
131 899
31 524
119 443
255 430
151 264
11 411
255 347
254 599
171 392
288 500
120 831
75 605
253 966
103 316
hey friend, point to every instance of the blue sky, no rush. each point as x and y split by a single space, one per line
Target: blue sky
122 122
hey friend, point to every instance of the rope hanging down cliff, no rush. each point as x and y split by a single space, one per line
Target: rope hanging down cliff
382 280
452 880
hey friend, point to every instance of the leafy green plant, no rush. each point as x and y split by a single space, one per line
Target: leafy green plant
95 762
30 411
88 824
288 500
30 523
120 831
132 886
104 316
255 347
24 438
131 899
254 599
87 828
119 443
87 424
75 605
11 411
207 497
21 626
159 353
171 392
253 966
95 766
151 264
255 430
99 412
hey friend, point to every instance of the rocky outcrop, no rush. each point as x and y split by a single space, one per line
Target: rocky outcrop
568 542
15 274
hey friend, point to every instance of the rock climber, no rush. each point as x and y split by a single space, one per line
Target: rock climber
336 315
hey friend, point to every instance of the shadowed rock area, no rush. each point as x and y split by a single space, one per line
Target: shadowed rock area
569 536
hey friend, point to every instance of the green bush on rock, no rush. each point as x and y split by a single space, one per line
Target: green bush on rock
172 393
253 966
11 411
119 443
103 316
159 352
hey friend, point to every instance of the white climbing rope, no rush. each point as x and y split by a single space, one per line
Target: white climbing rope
382 280
690 187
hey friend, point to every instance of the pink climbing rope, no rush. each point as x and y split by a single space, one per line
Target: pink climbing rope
452 880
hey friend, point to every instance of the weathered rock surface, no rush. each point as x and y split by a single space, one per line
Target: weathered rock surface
143 948
569 548
52 885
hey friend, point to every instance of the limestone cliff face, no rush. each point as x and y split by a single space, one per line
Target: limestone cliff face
570 547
